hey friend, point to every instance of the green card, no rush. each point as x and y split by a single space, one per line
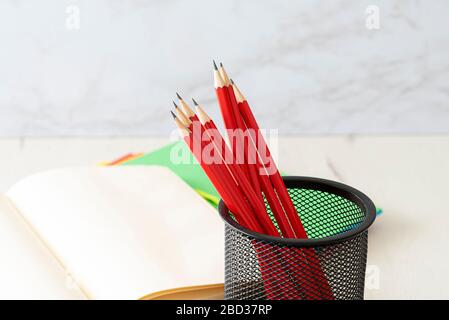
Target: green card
188 170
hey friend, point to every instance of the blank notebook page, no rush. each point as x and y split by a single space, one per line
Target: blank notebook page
27 268
124 232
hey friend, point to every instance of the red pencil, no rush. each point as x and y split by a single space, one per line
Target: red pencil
237 172
186 109
250 157
218 169
182 116
253 169
229 118
275 177
223 182
313 270
234 133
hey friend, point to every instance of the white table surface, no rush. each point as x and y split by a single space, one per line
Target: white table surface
405 175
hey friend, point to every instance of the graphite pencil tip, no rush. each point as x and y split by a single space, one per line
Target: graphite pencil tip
176 106
221 64
173 115
194 102
232 81
179 97
215 65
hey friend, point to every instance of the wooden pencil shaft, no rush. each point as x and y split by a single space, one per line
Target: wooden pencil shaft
251 166
276 178
226 112
266 186
222 172
241 188
235 139
224 182
227 154
276 208
254 198
242 180
187 134
244 211
268 190
196 140
233 104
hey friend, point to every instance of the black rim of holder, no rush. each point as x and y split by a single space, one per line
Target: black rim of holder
329 186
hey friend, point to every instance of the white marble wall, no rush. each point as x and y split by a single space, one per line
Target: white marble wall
306 66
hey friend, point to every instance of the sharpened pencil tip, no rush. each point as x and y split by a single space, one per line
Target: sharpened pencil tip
194 102
215 65
232 81
221 64
173 114
176 106
179 97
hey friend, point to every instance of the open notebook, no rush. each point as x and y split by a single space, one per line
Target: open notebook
106 233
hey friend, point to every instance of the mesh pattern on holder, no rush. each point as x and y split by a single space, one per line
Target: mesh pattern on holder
329 265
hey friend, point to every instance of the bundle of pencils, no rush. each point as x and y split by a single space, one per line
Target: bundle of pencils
245 175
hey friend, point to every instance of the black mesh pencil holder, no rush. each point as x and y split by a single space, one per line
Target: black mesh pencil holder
329 265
